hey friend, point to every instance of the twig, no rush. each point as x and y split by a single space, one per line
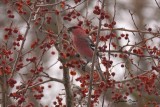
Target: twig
94 58
140 35
135 77
138 55
20 51
46 5
52 65
51 79
157 4
87 8
103 99
129 30
112 30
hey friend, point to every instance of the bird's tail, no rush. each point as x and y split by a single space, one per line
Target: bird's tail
100 70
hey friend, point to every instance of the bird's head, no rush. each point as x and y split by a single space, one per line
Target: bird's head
70 29
77 30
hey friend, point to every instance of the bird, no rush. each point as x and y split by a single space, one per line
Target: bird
84 46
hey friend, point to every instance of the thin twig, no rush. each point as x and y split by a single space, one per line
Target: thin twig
110 40
103 99
20 51
133 78
140 35
46 5
127 30
51 79
157 4
138 55
87 8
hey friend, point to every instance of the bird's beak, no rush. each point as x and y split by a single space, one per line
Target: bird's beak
70 29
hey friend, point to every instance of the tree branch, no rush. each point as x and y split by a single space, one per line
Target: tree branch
94 58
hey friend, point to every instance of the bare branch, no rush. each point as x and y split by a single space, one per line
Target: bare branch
94 58
22 45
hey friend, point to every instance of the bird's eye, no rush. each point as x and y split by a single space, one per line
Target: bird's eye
92 46
77 55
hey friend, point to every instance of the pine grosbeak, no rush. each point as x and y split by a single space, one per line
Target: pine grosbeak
83 45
